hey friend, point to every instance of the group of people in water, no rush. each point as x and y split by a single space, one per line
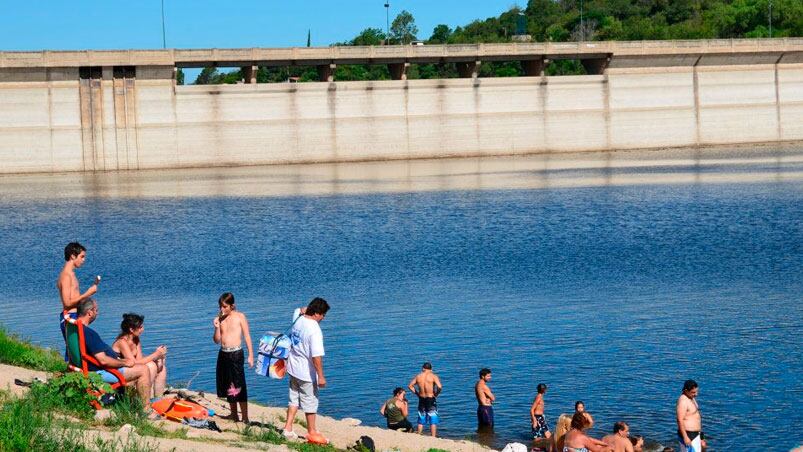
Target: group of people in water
571 431
304 365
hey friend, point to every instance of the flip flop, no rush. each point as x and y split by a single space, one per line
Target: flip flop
316 438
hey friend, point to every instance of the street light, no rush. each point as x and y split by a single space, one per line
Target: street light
164 39
770 17
387 23
582 28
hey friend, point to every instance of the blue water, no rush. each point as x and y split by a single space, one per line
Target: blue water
611 294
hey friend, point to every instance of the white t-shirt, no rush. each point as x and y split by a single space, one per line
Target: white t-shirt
307 339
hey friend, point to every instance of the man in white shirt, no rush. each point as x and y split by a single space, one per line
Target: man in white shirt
305 367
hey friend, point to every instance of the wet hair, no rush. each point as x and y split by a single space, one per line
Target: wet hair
581 420
619 426
317 306
227 299
73 249
541 388
484 371
427 365
130 322
688 385
397 391
578 403
85 306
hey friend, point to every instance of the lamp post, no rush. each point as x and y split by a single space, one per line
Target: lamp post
387 23
582 28
164 39
770 18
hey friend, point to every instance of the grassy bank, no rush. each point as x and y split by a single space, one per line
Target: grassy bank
56 415
17 352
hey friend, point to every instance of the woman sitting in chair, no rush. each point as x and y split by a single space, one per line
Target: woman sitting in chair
128 345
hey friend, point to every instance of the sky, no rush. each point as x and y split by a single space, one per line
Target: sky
136 24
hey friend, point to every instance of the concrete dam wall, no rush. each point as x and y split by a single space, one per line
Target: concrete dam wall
125 118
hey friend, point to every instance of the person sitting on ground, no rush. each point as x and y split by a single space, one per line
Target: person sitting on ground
562 427
128 345
396 410
619 440
576 439
135 374
638 443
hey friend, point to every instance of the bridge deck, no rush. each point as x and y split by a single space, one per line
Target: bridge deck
399 53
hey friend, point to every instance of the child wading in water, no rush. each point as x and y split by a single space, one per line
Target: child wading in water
230 327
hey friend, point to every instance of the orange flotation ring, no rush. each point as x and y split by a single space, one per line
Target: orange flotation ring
177 409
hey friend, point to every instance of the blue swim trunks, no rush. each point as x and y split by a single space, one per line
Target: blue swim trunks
428 411
109 377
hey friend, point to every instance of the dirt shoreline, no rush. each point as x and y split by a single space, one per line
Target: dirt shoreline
342 433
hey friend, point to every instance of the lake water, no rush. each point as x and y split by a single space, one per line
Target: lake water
610 277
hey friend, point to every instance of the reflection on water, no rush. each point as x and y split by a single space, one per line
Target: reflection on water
677 167
610 277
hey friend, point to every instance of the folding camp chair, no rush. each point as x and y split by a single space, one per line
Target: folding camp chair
79 359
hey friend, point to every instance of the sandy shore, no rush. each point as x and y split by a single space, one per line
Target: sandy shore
341 432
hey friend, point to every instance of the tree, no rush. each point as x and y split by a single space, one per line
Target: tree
179 77
440 35
208 76
369 37
403 28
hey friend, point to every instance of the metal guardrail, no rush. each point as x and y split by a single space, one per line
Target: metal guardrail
400 53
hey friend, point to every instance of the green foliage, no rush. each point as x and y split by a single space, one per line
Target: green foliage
68 393
268 434
17 352
179 77
403 28
128 409
440 35
436 450
307 447
29 424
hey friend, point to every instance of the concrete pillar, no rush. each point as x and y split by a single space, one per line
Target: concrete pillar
250 74
326 72
534 68
469 69
595 66
398 71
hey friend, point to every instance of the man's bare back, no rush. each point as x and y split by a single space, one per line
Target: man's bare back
425 382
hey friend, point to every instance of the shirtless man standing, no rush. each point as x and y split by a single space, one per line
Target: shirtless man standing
231 327
485 398
539 423
74 256
427 386
619 440
689 419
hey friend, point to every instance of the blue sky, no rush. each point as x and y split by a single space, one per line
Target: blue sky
114 24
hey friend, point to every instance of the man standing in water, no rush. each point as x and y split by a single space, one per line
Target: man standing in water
689 419
485 399
619 440
74 256
427 386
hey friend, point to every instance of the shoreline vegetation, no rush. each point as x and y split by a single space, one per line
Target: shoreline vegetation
552 21
54 414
